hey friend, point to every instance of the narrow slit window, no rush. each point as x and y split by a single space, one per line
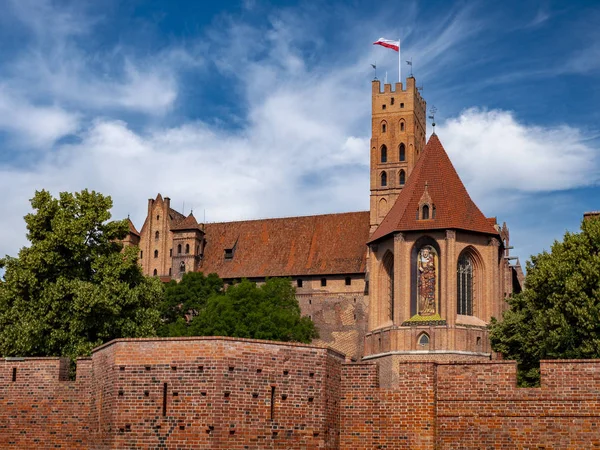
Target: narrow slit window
156 236
383 154
14 374
323 282
155 272
383 127
179 249
164 405
402 177
348 281
156 253
272 402
402 152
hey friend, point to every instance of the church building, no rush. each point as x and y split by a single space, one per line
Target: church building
417 277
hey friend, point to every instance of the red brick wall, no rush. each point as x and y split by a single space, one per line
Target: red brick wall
219 390
479 406
41 409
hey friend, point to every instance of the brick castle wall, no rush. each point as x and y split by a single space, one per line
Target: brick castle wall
224 393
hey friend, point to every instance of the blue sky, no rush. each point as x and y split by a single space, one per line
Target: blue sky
250 109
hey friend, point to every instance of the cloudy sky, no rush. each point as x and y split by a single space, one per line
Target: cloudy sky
251 109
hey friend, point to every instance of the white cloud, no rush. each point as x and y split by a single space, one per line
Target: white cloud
36 126
498 156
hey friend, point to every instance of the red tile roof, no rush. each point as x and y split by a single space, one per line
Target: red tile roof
132 229
454 208
189 223
310 245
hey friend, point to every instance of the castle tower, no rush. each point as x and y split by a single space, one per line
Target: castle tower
397 140
188 246
155 240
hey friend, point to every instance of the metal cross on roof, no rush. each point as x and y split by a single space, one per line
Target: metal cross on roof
432 111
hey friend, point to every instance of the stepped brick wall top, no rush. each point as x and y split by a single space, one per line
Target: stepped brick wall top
223 393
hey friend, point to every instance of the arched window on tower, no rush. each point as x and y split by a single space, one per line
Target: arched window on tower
401 126
155 272
187 249
383 153
156 253
402 177
182 266
156 235
179 249
383 179
464 285
383 127
388 284
402 151
425 212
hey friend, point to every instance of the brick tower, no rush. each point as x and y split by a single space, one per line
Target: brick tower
397 139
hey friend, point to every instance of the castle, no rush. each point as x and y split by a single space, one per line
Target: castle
417 277
405 290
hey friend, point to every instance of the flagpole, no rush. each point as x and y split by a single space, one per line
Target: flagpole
399 63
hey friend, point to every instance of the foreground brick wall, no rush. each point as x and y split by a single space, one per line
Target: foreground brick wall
39 408
479 406
223 393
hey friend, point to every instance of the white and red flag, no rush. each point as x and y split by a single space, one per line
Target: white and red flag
387 43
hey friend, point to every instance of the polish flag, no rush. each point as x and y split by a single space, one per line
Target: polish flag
394 45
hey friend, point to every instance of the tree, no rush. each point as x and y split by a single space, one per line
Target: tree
184 300
75 287
558 314
269 311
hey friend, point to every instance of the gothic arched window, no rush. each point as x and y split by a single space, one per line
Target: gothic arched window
182 266
156 235
179 249
423 340
401 126
388 284
383 127
187 248
464 285
155 272
383 179
425 212
383 153
402 152
156 253
402 177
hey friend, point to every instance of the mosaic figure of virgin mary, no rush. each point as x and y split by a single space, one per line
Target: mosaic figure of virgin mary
427 276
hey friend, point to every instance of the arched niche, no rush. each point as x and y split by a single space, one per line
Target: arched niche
425 269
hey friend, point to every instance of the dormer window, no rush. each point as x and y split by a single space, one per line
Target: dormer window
228 253
425 212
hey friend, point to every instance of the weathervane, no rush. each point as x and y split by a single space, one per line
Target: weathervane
409 63
374 66
432 111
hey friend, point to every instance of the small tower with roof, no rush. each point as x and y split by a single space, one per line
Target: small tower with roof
188 246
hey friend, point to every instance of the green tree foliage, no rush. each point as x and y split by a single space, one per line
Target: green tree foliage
184 300
269 311
73 288
558 313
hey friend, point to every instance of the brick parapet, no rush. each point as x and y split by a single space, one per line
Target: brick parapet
226 393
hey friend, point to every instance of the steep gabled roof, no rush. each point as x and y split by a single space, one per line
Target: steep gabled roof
132 229
310 245
189 223
434 179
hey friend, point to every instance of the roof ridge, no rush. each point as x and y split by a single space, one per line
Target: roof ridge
288 217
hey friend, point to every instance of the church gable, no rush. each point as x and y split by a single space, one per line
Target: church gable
434 198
